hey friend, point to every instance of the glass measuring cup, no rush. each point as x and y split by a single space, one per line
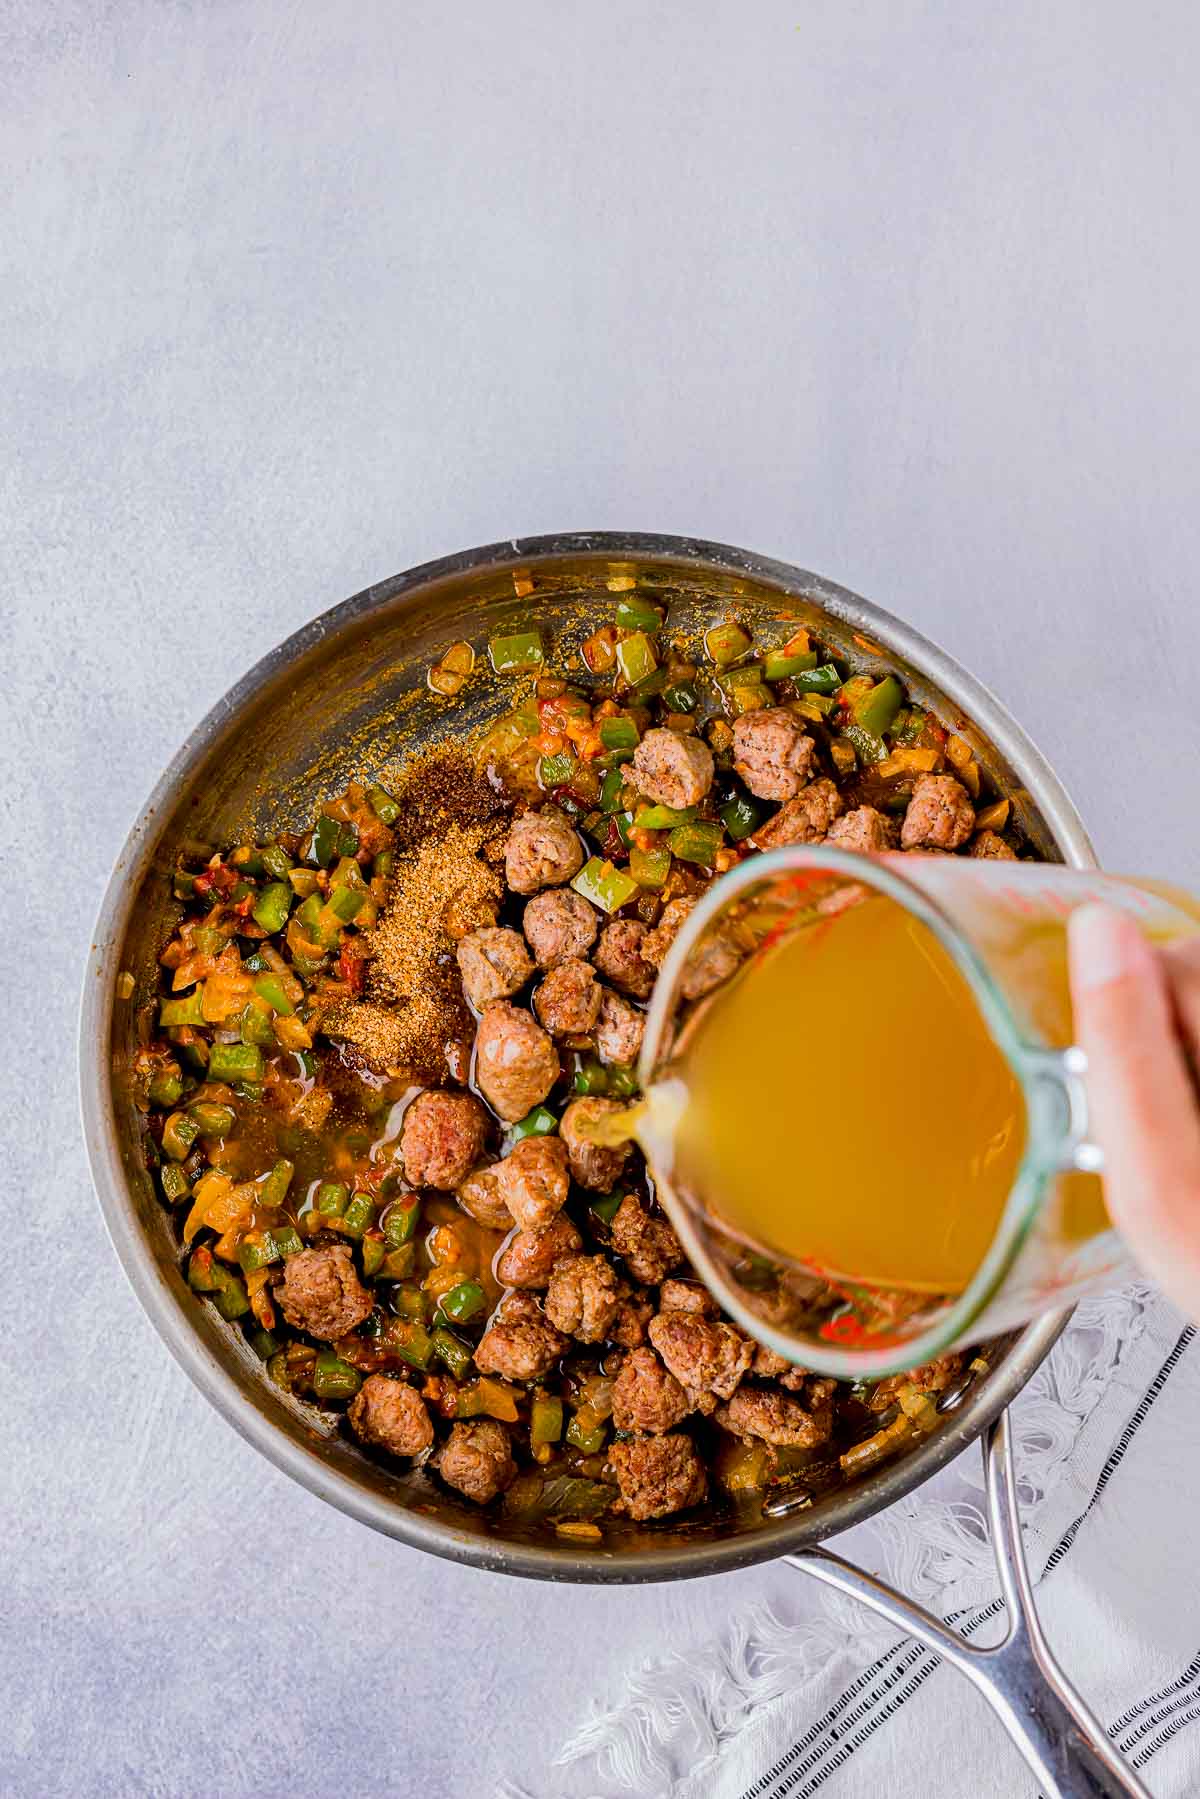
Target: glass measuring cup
1003 924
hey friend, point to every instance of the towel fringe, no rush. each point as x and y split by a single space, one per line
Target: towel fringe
678 1711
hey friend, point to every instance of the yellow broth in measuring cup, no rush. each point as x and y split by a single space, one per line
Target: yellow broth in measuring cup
843 1103
873 1133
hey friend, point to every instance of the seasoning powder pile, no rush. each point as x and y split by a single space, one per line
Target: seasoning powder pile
445 883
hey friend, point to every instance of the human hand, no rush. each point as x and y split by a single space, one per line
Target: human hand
1137 1018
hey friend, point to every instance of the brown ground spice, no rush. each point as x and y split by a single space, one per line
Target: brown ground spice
445 883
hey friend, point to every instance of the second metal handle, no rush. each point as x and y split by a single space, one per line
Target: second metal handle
1062 1742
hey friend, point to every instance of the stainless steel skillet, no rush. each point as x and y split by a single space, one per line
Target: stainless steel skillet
347 695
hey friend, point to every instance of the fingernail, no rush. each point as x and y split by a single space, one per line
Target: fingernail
1106 946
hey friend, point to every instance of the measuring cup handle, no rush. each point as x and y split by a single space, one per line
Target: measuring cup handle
1062 1743
1056 1089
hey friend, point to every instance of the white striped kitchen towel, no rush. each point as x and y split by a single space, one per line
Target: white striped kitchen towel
813 1696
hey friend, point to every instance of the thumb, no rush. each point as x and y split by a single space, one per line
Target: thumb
1143 1105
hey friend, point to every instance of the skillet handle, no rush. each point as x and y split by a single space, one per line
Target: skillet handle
1063 1744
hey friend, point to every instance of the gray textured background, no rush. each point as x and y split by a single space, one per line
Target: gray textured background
293 296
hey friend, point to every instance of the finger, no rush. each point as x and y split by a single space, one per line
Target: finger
1182 963
1141 1097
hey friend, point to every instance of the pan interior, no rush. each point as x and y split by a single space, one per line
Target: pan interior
347 698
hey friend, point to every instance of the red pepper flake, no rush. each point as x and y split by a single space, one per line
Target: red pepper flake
568 793
849 1329
351 969
614 844
217 876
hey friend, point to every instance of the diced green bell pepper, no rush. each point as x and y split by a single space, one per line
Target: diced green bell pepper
383 805
275 1188
696 843
556 771
740 817
165 1089
269 987
235 1062
748 696
333 1378
545 1419
411 1302
451 1351
261 1254
638 615
591 1076
324 840
463 1302
541 1122
519 651
680 696
869 747
622 1081
908 725
783 668
175 1184
588 1442
319 924
663 818
816 706
202 1271
229 1293
255 1025
726 642
213 1120
408 1339
875 711
647 689
750 674
610 791
274 904
345 903
276 861
636 659
604 885
650 868
179 1133
359 1215
332 1198
825 679
618 734
400 1225
188 1010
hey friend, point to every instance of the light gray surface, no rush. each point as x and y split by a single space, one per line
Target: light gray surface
295 296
